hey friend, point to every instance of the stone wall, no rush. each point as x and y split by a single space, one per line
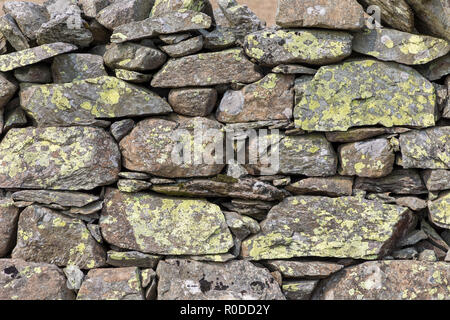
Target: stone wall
167 150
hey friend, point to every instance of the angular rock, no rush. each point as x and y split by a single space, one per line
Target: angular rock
121 128
12 33
304 269
176 38
415 204
128 185
393 45
299 290
389 280
427 149
241 226
436 180
134 57
234 280
7 89
293 69
311 226
218 39
371 158
132 259
77 66
74 277
14 116
184 48
162 7
405 254
29 16
440 211
336 186
3 44
253 208
9 215
397 13
164 225
92 7
135 176
270 47
412 238
112 284
359 134
121 12
63 198
433 16
132 76
207 69
83 101
22 280
436 69
47 236
35 73
359 93
427 255
345 14
75 158
194 102
271 98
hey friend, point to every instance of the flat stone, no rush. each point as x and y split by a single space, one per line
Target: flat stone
414 203
412 238
35 73
14 60
299 290
134 57
163 7
318 47
207 69
436 180
8 88
358 93
194 102
359 134
112 284
345 15
29 16
311 226
304 269
427 149
120 129
234 280
395 13
123 12
446 110
22 280
405 254
393 45
63 198
3 44
9 215
134 175
12 33
293 69
440 211
132 76
433 16
77 66
388 280
253 208
436 69
81 102
191 227
75 158
132 259
92 7
271 98
129 185
336 186
47 236
184 48
175 38
218 39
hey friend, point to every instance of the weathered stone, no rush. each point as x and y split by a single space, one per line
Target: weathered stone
77 66
344 96
434 238
3 44
304 269
427 149
7 89
132 76
359 134
75 158
12 33
436 69
60 7
345 14
389 280
176 38
293 69
395 13
440 211
207 69
436 180
22 280
218 39
121 128
128 185
112 284
45 235
393 45
241 226
253 208
414 203
132 259
162 7
92 7
135 175
189 226
433 16
14 116
184 48
29 16
169 23
299 290
63 198
147 277
336 186
405 254
153 144
35 73
371 158
271 98
446 110
428 255
134 57
122 12
74 277
9 215
195 102
83 101
346 227
234 280
412 238
318 47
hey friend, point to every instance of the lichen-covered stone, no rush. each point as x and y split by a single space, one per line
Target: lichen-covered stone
440 211
393 45
163 225
336 186
162 7
436 69
12 33
120 129
389 280
74 277
8 225
359 134
271 98
304 269
81 102
427 149
92 7
371 158
77 66
63 198
293 69
436 180
311 226
132 259
121 12
112 284
134 57
47 236
343 14
132 76
34 73
29 16
270 47
8 88
218 39
194 102
395 13
75 158
184 48
20 280
299 290
207 69
130 185
366 92
234 280
433 16
26 57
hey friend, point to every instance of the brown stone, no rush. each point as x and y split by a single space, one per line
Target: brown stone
195 102
9 215
336 186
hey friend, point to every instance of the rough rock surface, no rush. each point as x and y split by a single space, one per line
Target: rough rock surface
433 16
12 33
77 66
436 180
304 269
123 11
195 102
134 57
28 16
336 186
9 215
395 13
62 198
399 181
440 211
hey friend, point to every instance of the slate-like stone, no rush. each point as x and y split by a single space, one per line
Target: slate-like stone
393 45
184 48
436 180
163 225
218 39
427 149
22 280
112 284
436 69
271 98
130 185
433 16
194 102
12 33
344 14
83 101
75 158
395 13
132 259
63 198
336 186
120 129
77 66
440 211
299 290
414 203
45 235
311 226
7 89
35 73
270 47
293 69
29 16
366 92
234 280
132 76
3 44
389 280
207 69
304 269
134 57
8 225
359 134
121 12
92 7
162 7
14 116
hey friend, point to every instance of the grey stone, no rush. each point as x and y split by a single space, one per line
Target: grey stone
77 66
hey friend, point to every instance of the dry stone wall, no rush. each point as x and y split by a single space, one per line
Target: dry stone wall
166 150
